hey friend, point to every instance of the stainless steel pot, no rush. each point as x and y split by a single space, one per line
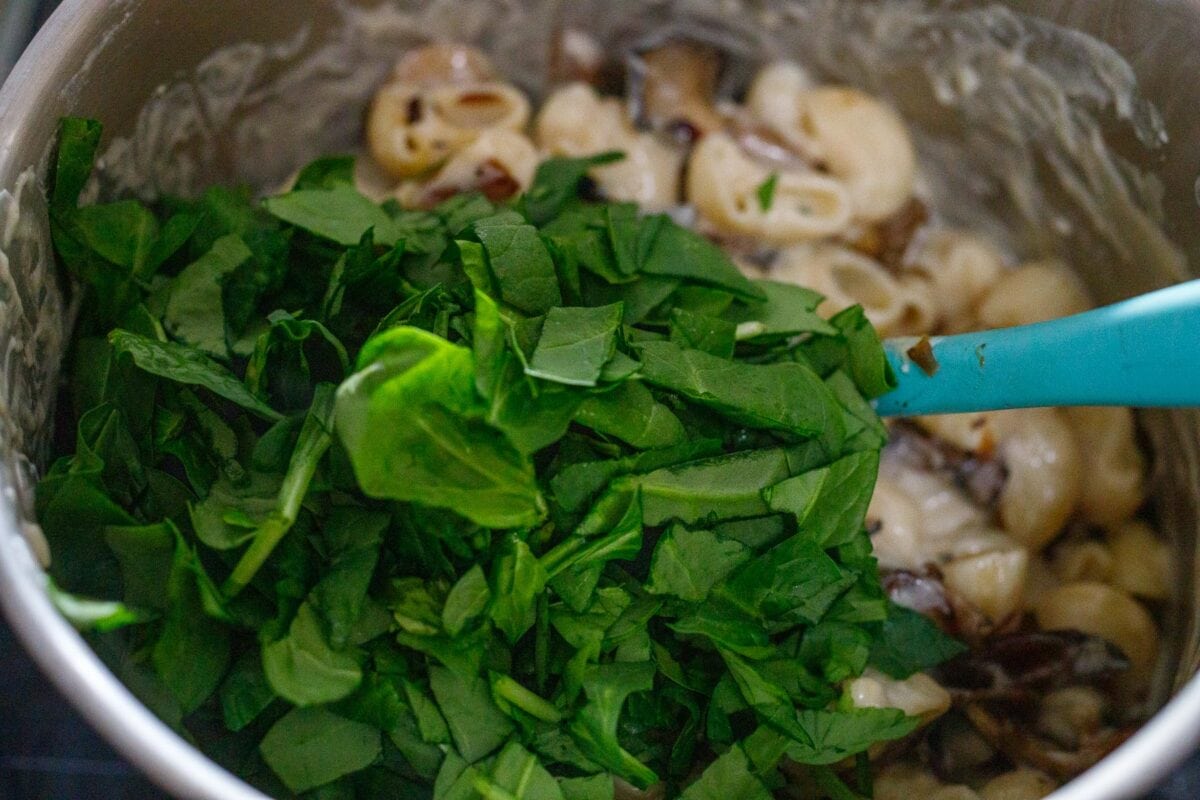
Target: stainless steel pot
1043 134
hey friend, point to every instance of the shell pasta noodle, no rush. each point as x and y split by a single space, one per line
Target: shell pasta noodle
529 454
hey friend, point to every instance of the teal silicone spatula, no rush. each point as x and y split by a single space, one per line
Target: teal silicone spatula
1140 352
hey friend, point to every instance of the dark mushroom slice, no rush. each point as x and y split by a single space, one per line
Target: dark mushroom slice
672 89
981 475
888 241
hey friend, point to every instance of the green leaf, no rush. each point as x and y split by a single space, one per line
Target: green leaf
730 776
303 669
766 192
789 310
784 396
476 725
192 651
353 537
517 579
556 183
517 775
711 335
245 692
687 564
409 420
679 253
594 727
522 266
86 614
830 503
575 344
194 313
795 579
338 213
313 441
908 642
725 487
310 747
146 553
831 736
593 787
327 172
78 140
189 366
468 599
630 413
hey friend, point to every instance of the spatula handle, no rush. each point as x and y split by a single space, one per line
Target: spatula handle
1140 352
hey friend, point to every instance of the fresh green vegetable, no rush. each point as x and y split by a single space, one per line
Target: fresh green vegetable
498 501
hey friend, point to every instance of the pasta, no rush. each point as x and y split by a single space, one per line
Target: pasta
1141 561
500 163
992 581
723 184
1115 468
576 121
1020 784
861 142
848 278
960 268
918 695
1031 293
1109 613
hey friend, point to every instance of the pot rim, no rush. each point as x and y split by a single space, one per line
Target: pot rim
62 654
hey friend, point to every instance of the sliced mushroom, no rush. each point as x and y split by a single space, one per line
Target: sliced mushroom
673 87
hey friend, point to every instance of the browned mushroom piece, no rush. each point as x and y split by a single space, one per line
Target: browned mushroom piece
1015 667
1022 746
443 62
981 476
888 240
764 145
673 89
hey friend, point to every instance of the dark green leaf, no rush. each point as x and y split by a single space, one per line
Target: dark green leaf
476 725
908 642
311 747
303 669
575 344
521 265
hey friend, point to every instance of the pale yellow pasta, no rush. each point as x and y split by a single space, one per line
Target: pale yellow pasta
1020 784
861 141
1104 611
1034 292
905 782
372 181
992 581
1114 465
1069 714
576 121
1141 560
499 153
1044 466
412 128
897 543
917 695
974 432
1040 579
723 184
1083 561
960 268
945 513
846 277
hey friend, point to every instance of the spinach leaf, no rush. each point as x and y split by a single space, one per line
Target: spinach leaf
556 183
477 726
687 564
630 413
517 579
594 727
830 503
575 344
442 454
784 396
795 578
725 487
310 747
338 213
186 365
521 264
303 669
468 599
193 314
731 775
908 642
679 253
